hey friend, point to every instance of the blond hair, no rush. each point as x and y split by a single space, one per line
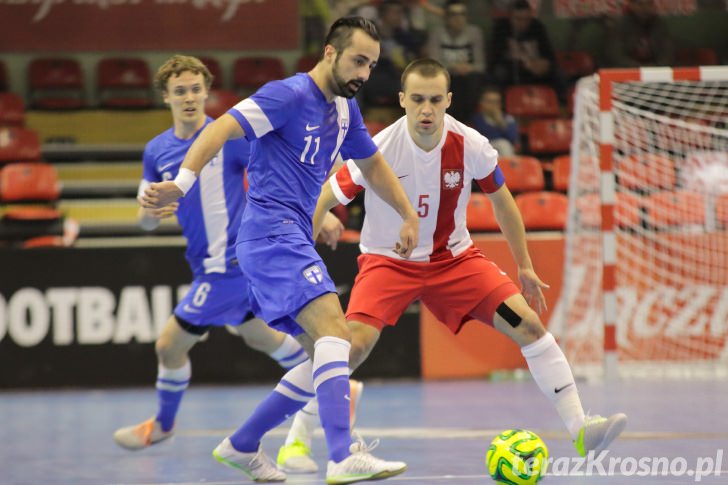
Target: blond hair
176 65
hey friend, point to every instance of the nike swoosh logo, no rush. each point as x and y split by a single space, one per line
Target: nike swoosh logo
347 398
189 309
402 176
559 389
166 166
311 128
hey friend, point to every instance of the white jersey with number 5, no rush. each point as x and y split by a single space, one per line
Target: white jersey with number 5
437 183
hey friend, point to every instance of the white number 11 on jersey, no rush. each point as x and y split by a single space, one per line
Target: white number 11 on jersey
304 154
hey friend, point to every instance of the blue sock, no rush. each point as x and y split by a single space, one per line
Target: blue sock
171 386
289 396
331 381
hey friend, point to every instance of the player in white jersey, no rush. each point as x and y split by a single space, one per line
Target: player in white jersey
209 220
436 159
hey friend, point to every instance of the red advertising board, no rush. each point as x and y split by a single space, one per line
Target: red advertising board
597 8
122 25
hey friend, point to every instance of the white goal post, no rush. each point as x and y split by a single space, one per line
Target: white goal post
646 273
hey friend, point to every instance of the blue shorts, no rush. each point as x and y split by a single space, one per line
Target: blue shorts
285 274
216 299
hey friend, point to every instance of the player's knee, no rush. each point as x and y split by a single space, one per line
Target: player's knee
261 341
360 350
167 353
530 329
363 340
520 323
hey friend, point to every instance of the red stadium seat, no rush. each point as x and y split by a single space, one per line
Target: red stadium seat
214 67
696 56
561 173
575 64
543 210
480 214
56 84
675 208
374 127
12 110
18 145
306 63
646 171
250 73
29 181
219 101
522 174
549 136
532 101
124 83
628 208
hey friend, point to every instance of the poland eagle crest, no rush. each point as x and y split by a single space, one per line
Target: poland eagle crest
451 179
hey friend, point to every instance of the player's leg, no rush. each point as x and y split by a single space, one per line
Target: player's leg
323 321
280 346
295 455
551 371
173 376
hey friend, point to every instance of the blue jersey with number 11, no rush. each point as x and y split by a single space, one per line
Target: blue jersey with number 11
296 135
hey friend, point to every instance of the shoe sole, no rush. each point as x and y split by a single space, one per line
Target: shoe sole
370 478
298 471
136 448
234 465
614 430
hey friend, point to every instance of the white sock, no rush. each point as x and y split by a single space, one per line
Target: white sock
304 423
289 354
553 375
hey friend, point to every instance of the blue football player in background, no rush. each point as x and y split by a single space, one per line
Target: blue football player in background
297 128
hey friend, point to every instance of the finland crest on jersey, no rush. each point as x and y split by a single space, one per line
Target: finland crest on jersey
313 274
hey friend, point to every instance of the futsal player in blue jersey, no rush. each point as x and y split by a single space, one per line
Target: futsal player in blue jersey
209 216
297 128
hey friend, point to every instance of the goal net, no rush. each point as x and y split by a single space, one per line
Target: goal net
646 275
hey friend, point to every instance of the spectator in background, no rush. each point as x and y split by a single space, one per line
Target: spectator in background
500 128
640 38
399 45
459 47
315 19
521 51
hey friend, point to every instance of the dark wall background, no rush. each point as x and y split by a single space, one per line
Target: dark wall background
222 358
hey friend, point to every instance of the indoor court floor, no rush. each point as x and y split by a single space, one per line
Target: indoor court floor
441 429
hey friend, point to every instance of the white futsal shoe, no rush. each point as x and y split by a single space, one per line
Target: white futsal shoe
598 432
297 457
361 466
257 466
141 435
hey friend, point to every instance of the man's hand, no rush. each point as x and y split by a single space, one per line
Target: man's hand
162 212
408 237
331 230
532 289
161 194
